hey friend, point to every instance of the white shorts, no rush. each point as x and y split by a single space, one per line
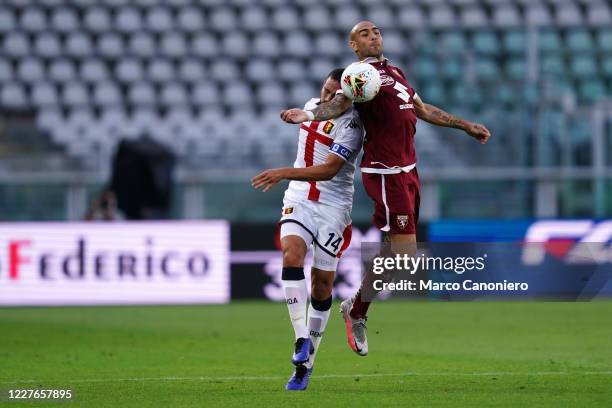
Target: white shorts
328 229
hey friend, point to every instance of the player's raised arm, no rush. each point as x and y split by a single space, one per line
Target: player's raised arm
326 110
322 172
437 116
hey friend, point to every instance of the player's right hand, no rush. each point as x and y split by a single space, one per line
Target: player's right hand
294 116
267 179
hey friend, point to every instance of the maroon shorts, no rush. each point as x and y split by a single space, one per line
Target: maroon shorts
396 200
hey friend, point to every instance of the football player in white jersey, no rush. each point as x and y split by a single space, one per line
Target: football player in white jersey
316 214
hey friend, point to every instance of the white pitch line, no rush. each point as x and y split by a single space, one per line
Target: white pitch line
257 378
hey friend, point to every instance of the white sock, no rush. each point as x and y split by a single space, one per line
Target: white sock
296 295
317 321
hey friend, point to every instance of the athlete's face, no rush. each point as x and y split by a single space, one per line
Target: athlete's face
329 89
366 40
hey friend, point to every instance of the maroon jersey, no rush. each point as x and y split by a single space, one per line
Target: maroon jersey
389 120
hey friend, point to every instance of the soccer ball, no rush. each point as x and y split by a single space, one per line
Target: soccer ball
360 82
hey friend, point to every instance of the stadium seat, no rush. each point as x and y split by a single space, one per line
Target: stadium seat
49 118
598 14
473 16
64 20
128 70
16 45
442 17
286 18
266 44
107 94
190 20
128 20
173 46
486 69
538 14
590 91
160 70
30 70
75 95
297 44
568 14
583 67
238 94
317 18
515 42
142 45
453 42
452 69
319 68
47 45
33 20
8 22
432 92
272 94
224 70
604 40
425 69
411 18
516 69
141 94
6 71
205 94
552 65
235 44
159 20
172 95
78 45
147 121
579 40
204 46
606 67
223 19
62 70
486 43
97 19
394 43
381 16
291 70
43 95
506 15
254 18
110 45
260 69
192 70
549 41
330 45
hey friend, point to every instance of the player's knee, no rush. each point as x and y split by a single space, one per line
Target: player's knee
293 256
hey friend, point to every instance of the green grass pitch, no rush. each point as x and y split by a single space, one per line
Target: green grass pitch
421 354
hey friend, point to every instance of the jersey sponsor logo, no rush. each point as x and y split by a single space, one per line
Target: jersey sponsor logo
386 80
406 106
292 301
288 210
402 221
327 128
341 150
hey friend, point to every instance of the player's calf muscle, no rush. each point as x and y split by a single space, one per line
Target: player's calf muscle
322 284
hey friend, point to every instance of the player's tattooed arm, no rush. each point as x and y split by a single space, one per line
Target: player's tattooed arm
327 110
437 116
321 172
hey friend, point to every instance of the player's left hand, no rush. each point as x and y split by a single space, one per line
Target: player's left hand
267 179
478 132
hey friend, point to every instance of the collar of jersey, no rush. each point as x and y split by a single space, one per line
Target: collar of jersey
371 60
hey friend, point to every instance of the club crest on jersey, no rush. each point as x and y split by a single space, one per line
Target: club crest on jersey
288 210
402 221
386 80
327 128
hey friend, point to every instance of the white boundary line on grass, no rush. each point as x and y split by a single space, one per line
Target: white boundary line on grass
250 378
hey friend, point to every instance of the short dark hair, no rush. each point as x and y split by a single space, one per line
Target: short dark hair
336 74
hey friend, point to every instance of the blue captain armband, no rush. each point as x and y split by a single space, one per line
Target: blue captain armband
341 151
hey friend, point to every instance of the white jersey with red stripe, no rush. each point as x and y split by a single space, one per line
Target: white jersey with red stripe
342 136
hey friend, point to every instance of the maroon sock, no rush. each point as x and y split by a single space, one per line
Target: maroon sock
360 308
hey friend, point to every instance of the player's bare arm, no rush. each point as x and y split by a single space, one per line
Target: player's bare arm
327 110
437 116
322 172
